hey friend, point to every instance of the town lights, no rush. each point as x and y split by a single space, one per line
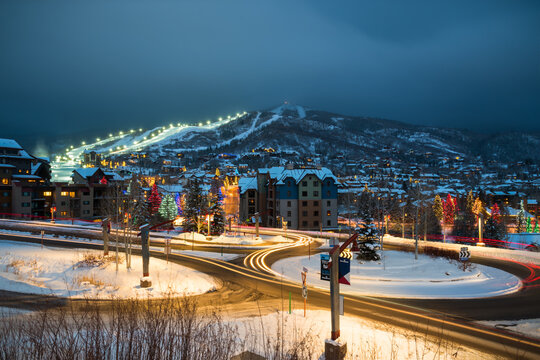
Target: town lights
171 125
121 133
140 130
153 135
132 131
144 138
228 116
71 146
220 119
110 135
98 139
208 122
83 143
200 124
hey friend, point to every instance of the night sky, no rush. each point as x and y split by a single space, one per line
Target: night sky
91 67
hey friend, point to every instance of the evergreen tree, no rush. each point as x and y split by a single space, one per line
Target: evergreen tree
495 228
216 208
195 207
536 227
465 222
154 200
529 225
438 207
520 219
367 233
141 213
168 209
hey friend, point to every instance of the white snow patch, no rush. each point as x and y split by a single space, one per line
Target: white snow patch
398 274
29 268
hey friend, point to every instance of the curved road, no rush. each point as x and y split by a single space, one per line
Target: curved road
254 280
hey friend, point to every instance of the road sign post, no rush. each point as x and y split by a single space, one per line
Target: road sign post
257 219
105 229
146 281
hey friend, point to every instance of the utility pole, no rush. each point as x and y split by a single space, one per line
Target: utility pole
480 230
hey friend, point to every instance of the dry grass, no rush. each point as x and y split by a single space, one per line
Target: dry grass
91 260
90 280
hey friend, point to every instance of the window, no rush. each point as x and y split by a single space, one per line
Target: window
304 203
315 183
63 213
288 204
328 193
289 183
25 204
72 194
315 193
289 214
86 212
251 210
64 193
5 205
304 193
86 202
304 213
328 203
304 183
288 193
315 203
63 203
47 193
251 201
304 223
315 213
86 193
26 193
329 223
5 181
328 213
6 193
316 223
328 183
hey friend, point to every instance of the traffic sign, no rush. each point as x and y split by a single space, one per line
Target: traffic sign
464 254
304 292
325 270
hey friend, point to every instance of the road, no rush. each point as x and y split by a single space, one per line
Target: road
254 280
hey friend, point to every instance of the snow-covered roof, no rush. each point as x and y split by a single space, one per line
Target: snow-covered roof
247 183
172 188
280 173
86 172
10 144
27 177
7 166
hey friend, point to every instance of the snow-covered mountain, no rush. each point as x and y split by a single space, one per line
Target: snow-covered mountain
296 131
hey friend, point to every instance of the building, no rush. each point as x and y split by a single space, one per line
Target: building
305 198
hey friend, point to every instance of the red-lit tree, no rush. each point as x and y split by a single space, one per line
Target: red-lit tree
154 200
496 213
449 209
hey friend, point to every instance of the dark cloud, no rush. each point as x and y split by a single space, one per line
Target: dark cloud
79 66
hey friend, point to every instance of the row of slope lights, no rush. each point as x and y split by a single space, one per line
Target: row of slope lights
171 126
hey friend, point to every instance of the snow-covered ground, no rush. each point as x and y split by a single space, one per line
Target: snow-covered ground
29 268
365 339
399 274
527 327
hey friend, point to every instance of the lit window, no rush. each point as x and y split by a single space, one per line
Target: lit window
64 193
47 193
5 181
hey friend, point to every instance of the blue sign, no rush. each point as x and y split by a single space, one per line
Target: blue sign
344 270
325 270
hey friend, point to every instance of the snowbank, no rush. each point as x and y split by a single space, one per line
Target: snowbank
78 273
398 274
528 327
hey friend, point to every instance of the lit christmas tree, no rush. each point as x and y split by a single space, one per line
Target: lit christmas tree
216 208
154 200
141 214
449 209
536 227
438 207
529 225
178 201
168 209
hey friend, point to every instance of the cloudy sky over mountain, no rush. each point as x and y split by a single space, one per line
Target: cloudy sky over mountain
69 66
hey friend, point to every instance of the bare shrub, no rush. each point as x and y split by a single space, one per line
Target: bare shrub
91 260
